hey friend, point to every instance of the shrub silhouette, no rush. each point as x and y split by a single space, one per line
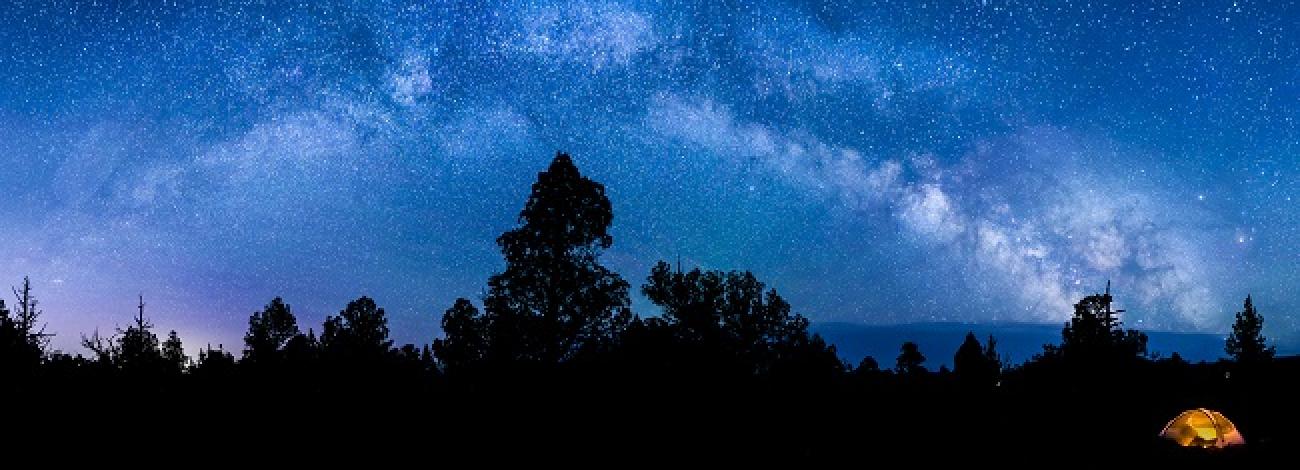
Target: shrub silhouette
910 361
730 320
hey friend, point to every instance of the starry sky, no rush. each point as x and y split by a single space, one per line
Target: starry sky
876 162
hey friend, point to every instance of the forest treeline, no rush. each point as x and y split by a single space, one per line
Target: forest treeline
557 323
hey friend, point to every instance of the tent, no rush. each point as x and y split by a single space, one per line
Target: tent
1202 428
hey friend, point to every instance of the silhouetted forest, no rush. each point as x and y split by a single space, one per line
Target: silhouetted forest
551 362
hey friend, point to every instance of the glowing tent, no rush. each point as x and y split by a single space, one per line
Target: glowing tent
1202 428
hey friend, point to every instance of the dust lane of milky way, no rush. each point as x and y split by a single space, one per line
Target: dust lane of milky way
876 162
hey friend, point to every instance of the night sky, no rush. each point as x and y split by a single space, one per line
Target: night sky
888 162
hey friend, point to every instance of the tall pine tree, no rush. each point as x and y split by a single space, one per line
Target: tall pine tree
1246 344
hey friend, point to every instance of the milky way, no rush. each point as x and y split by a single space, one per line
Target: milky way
875 162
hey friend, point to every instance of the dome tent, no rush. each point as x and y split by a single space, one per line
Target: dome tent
1202 428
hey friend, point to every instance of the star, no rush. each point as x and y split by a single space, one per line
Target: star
902 163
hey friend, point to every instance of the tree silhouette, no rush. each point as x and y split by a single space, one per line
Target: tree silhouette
137 349
104 348
868 368
26 316
734 316
868 365
975 364
910 361
1095 334
410 362
970 355
992 359
22 342
269 333
465 344
214 365
18 356
359 334
173 353
727 361
302 350
968 363
1246 344
554 300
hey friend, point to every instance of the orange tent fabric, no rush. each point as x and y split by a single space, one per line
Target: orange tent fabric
1202 428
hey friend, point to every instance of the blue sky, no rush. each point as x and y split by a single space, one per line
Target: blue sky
876 162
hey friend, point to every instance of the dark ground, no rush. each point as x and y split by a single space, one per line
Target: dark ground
1031 420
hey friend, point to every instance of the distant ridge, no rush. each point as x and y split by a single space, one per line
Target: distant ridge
1019 341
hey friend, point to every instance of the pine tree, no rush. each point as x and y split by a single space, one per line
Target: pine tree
26 317
1246 344
22 342
137 349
